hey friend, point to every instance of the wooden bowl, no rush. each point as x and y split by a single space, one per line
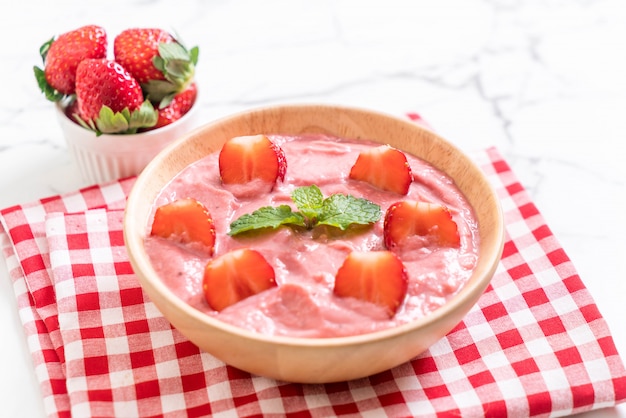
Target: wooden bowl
315 360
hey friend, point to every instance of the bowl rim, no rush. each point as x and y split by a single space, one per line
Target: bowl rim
473 285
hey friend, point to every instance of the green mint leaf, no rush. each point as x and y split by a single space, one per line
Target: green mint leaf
343 210
338 211
266 217
309 201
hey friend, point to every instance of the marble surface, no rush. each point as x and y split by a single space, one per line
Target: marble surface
544 81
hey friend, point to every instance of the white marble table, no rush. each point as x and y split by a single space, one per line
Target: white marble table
544 81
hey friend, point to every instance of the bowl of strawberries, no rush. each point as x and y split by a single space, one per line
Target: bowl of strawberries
117 113
313 243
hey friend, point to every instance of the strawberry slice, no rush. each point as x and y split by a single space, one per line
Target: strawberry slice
235 276
410 217
378 277
187 221
246 158
384 167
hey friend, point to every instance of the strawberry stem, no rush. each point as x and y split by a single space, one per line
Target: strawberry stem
123 122
178 66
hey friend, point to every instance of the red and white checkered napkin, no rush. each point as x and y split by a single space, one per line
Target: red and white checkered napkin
535 344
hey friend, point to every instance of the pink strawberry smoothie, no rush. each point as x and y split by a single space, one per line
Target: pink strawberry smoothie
305 263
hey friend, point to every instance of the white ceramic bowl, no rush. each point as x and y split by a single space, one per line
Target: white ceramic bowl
110 157
315 360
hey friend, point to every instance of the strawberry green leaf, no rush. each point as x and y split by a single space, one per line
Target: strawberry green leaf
173 51
178 67
144 117
109 122
125 121
160 91
165 101
341 211
50 92
193 54
43 49
266 217
85 124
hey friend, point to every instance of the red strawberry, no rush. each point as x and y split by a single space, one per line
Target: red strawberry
62 55
383 167
378 277
109 99
246 158
161 64
180 105
136 48
185 220
235 276
410 217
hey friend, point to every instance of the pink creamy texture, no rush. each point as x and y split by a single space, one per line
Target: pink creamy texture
303 304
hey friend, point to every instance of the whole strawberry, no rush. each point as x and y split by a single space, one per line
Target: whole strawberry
178 107
135 49
109 99
161 64
62 55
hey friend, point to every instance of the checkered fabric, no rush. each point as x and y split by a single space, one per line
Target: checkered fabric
534 345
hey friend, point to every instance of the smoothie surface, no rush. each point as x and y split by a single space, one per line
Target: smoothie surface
306 261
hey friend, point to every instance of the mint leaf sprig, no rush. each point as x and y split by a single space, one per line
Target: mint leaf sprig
337 210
